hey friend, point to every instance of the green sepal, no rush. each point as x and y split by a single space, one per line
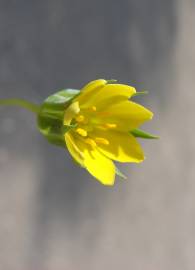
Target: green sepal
62 96
51 116
119 173
142 134
55 105
140 93
111 81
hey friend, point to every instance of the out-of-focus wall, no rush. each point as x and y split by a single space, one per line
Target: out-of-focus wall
53 215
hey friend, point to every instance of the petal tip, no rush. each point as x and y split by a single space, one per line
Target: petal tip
140 159
151 115
109 183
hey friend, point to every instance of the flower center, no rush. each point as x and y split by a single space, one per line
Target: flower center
86 121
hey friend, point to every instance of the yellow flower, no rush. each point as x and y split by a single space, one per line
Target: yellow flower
103 116
98 124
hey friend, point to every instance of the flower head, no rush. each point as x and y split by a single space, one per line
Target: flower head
102 117
98 125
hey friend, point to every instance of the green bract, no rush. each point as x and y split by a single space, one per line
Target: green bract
51 115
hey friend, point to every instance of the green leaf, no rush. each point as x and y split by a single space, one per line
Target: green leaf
51 116
55 105
140 93
62 96
142 134
119 173
51 129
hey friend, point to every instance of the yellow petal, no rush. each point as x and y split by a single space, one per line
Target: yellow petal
88 90
127 115
73 149
99 166
70 112
122 147
111 91
109 95
96 163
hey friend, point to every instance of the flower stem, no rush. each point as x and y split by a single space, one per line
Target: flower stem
21 103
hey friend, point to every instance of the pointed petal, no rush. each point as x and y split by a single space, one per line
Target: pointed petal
127 115
101 167
111 91
109 94
122 147
73 149
89 90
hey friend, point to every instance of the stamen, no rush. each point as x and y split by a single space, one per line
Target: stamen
81 132
80 118
93 108
90 142
101 140
110 125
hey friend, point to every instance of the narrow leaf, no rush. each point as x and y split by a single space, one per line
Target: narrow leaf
140 93
120 174
111 81
142 134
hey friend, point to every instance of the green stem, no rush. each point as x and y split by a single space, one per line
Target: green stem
21 103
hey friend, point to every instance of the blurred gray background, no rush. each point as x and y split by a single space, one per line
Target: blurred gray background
53 215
